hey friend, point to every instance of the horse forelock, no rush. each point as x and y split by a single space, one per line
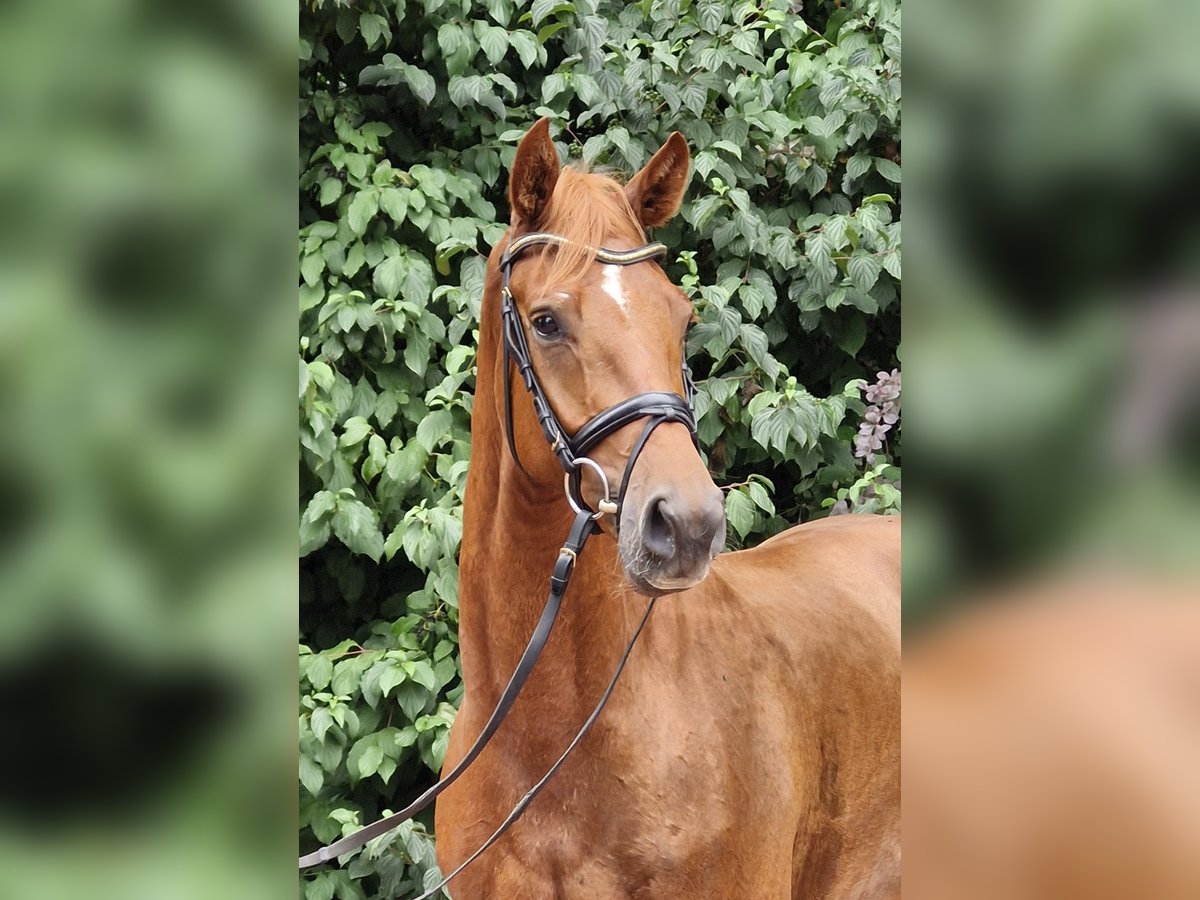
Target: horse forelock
587 208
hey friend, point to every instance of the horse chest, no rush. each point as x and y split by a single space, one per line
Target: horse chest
665 801
672 801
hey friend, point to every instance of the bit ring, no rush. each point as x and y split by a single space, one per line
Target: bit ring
577 504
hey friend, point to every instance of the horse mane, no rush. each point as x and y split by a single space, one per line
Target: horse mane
586 208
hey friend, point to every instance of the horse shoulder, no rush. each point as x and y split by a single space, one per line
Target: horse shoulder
823 600
851 560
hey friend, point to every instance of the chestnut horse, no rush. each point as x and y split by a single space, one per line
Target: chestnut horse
752 746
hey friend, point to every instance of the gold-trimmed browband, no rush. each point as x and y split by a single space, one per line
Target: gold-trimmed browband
613 257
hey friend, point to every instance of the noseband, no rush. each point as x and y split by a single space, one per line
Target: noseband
656 406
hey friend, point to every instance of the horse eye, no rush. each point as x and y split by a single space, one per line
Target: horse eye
545 325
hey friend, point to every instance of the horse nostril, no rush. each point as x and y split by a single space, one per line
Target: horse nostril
658 529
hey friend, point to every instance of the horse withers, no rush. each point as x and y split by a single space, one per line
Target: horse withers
752 746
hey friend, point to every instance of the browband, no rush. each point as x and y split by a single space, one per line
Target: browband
611 257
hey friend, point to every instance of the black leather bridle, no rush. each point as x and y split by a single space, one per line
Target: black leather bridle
656 407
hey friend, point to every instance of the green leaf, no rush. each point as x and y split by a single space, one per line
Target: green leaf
853 335
412 698
746 41
311 775
494 43
526 46
421 672
552 86
364 757
704 209
771 428
758 493
394 540
858 165
593 32
887 169
464 90
405 466
739 512
321 887
373 27
331 189
354 431
546 32
421 83
416 354
433 429
753 299
694 97
314 524
863 268
728 147
389 276
822 270
347 674
376 458
450 38
391 677
362 209
458 357
706 161
540 9
891 261
418 280
394 202
357 526
712 14
754 339
320 670
322 718
311 268
815 179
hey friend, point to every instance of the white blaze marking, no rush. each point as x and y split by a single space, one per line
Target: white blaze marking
612 287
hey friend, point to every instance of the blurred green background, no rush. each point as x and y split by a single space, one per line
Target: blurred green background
147 474
1052 313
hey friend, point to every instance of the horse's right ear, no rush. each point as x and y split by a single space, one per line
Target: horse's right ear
534 174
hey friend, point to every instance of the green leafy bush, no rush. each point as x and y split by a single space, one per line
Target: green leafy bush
789 244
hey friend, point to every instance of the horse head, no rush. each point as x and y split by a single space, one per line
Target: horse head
600 333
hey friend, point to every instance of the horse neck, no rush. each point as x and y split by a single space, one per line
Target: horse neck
513 527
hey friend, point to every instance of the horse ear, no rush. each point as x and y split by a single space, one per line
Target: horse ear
656 192
534 174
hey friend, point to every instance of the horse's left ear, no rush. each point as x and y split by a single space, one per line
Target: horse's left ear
656 192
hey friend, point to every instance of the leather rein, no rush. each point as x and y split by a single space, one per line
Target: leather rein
657 407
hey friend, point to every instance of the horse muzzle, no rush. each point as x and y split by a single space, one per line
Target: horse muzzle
669 542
